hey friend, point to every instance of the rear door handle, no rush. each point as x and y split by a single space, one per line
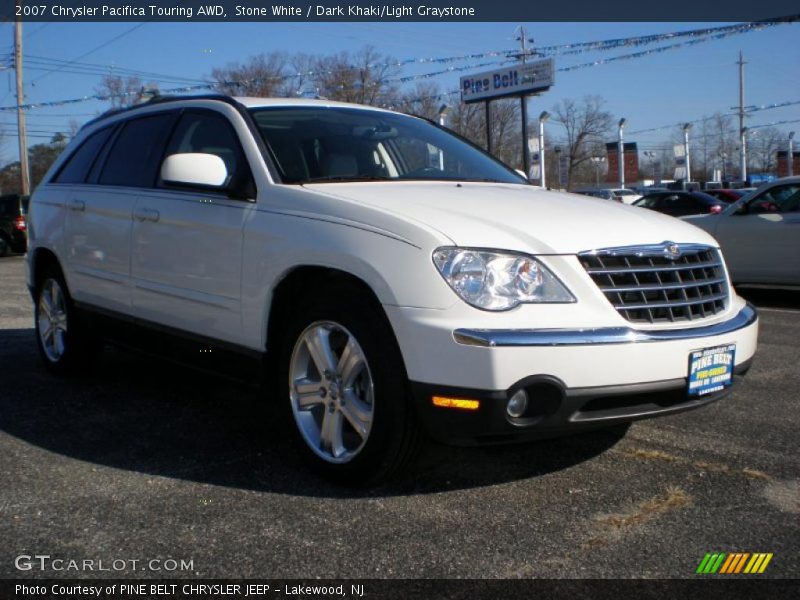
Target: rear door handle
78 205
146 214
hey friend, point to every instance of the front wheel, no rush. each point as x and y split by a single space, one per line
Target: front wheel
344 382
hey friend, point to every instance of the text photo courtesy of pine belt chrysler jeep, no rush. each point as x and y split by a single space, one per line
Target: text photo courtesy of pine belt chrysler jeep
392 278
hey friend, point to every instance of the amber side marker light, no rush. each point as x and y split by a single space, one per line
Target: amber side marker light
461 403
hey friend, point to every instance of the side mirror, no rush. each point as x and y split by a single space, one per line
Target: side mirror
194 169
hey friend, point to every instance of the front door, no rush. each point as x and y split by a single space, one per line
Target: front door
186 261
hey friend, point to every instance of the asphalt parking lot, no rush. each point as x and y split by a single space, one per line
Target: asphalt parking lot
145 460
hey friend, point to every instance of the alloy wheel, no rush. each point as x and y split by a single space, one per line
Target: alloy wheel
52 320
331 391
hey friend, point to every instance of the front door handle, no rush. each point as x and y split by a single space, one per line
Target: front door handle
78 205
146 214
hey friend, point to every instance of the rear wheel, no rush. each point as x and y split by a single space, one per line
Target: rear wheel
65 343
344 383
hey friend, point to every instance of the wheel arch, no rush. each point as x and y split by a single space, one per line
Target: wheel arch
42 259
296 281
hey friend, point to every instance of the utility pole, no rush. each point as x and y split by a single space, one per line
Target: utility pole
526 152
621 154
742 133
22 133
488 109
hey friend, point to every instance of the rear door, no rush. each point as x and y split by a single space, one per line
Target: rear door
762 242
105 177
187 243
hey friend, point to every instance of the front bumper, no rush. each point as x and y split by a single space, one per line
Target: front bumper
555 409
577 379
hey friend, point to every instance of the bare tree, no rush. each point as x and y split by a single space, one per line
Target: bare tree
262 75
764 145
121 92
423 100
74 128
363 78
469 120
300 82
586 124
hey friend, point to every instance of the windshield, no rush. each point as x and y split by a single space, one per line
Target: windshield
319 144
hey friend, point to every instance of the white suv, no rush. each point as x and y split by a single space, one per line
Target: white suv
395 278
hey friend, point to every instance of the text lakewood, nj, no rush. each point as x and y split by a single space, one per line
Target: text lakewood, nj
272 12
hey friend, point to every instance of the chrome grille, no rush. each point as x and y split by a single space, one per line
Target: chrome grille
662 283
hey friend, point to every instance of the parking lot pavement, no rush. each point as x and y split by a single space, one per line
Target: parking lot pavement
145 460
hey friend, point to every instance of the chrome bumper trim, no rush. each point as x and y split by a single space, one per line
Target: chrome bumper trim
490 338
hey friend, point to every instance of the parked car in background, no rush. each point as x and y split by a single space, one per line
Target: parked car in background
622 194
760 234
725 194
627 196
679 204
388 278
604 194
13 224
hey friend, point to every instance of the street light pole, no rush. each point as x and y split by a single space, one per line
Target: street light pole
621 152
542 118
444 109
686 129
743 167
790 157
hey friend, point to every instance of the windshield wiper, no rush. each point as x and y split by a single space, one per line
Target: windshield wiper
345 178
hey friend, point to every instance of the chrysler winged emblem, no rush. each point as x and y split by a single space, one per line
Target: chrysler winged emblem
671 250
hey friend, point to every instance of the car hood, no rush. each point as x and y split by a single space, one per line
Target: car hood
517 217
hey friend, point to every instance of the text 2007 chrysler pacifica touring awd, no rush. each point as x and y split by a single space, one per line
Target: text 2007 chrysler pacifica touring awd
396 279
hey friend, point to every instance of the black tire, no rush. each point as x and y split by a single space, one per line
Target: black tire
78 348
5 246
394 435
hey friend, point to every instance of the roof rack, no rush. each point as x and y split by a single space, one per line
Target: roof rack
159 99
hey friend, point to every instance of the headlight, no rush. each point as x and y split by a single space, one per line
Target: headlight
498 280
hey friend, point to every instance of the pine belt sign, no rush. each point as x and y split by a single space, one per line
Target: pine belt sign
516 80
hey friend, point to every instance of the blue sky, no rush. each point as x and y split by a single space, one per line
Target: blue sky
678 85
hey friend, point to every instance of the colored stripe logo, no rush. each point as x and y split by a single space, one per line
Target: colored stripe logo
734 563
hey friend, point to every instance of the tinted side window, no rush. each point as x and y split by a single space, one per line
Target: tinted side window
783 198
208 133
77 166
688 203
649 201
133 158
8 206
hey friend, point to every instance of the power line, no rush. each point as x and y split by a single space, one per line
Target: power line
96 48
101 69
609 44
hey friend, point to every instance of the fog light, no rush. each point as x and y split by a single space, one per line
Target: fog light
517 404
